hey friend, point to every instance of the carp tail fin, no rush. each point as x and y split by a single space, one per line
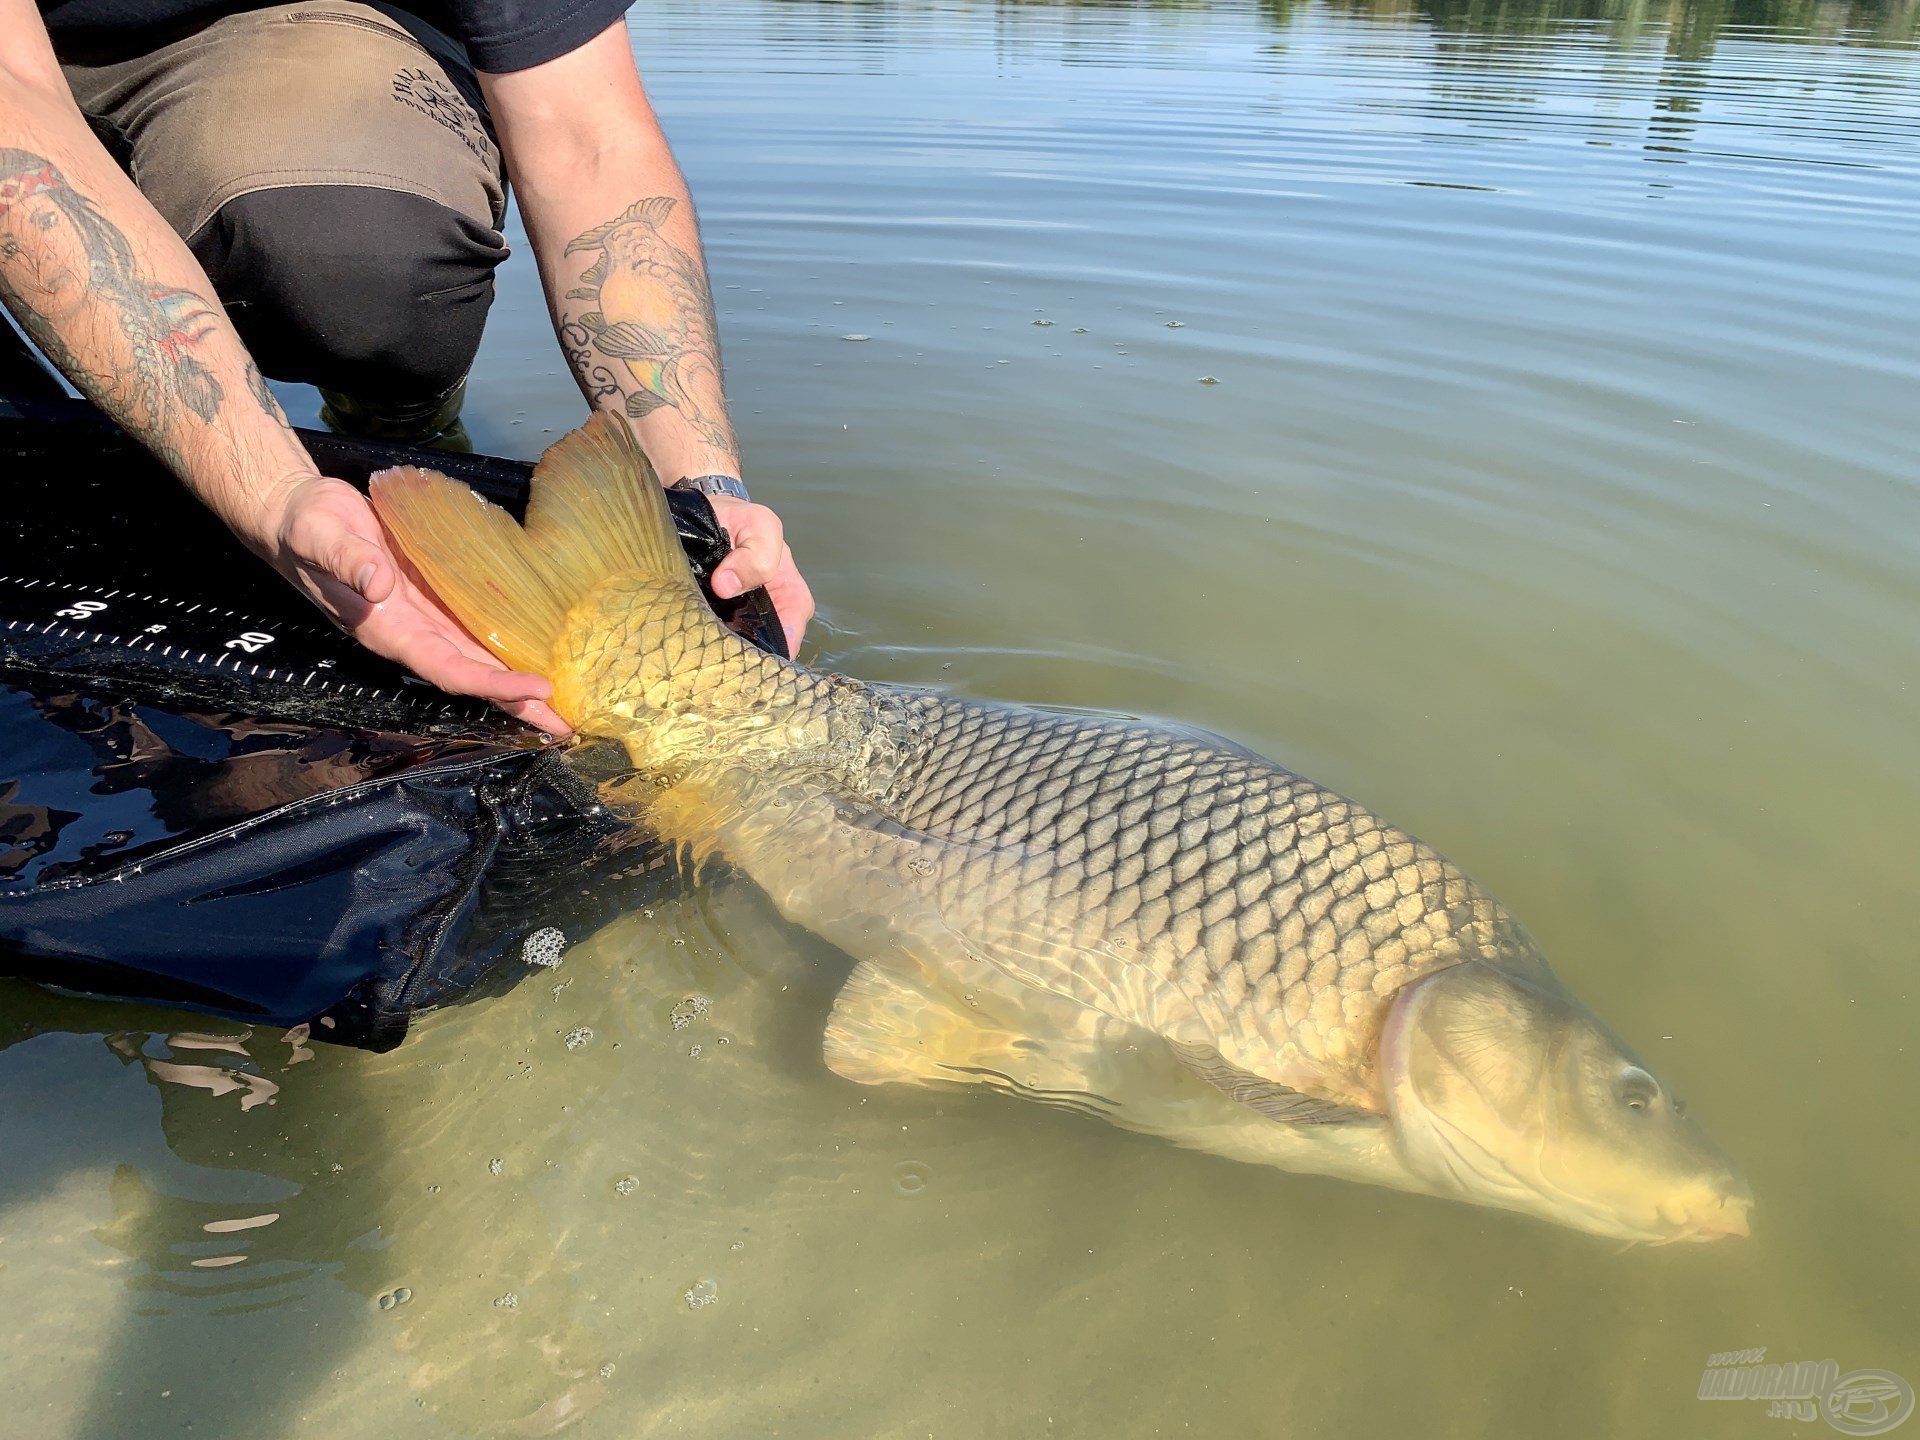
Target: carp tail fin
477 560
596 510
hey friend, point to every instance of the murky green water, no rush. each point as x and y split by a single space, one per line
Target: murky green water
1558 497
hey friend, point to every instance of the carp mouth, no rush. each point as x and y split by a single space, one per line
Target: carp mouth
1464 1143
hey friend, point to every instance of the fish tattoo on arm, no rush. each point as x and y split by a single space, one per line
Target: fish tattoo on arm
645 331
68 275
263 395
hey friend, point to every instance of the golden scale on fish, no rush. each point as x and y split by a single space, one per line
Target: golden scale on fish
1138 921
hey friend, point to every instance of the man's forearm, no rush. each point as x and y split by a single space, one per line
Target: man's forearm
639 327
102 284
619 250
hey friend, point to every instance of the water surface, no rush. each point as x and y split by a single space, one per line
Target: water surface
1500 412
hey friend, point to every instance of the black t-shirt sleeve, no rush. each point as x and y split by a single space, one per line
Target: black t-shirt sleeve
504 35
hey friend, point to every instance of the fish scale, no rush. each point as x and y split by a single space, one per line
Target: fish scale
1232 878
1279 913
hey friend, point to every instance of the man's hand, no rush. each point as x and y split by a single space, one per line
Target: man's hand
613 228
113 296
325 538
761 558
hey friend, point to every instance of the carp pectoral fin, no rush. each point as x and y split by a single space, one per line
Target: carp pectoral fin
1263 1097
896 1024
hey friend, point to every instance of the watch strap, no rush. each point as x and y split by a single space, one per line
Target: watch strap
712 485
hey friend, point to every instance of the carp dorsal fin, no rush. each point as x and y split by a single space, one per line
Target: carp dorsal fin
1264 1097
597 510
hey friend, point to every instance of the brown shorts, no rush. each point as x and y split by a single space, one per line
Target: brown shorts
334 171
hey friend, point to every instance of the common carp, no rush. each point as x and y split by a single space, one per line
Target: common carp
1143 922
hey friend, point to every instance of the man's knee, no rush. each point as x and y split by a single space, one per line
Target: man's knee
353 288
336 177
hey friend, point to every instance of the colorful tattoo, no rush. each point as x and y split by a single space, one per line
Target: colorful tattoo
651 316
67 274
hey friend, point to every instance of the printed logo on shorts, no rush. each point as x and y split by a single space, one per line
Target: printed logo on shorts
434 98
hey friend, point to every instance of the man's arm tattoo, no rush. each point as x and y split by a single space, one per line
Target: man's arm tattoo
263 396
647 331
68 275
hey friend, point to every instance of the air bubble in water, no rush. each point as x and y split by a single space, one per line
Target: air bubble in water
703 1293
689 1010
577 1038
544 948
910 1177
508 1301
626 1185
395 1298
496 1165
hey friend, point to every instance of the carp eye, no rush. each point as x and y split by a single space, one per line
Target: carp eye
1636 1089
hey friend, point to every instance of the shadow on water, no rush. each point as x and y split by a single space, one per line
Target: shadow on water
171 1192
318 1193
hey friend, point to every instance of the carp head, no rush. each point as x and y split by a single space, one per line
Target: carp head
1504 1090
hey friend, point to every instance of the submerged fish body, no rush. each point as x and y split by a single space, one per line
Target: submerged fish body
1142 922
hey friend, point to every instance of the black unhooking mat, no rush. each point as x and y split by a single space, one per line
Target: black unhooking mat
209 798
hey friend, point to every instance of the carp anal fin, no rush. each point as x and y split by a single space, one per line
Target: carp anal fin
1264 1097
596 510
891 1026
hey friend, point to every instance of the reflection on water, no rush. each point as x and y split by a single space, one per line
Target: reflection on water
1557 499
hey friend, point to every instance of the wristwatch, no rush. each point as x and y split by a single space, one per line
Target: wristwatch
711 485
